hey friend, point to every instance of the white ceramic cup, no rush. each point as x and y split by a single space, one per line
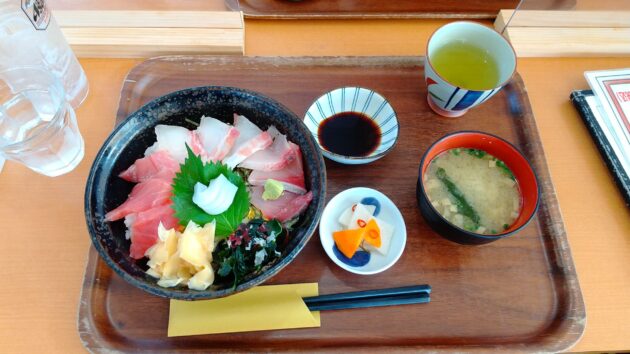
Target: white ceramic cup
448 99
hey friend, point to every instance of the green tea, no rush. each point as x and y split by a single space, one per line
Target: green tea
467 66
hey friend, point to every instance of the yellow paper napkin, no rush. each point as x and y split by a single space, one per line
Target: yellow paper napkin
257 309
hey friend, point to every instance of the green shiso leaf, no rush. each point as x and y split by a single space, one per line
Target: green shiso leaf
194 170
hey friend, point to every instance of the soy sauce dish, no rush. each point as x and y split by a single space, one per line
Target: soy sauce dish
362 231
475 188
353 125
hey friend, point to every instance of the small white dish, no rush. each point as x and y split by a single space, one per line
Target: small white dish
389 213
361 100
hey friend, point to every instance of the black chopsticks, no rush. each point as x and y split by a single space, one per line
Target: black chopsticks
416 294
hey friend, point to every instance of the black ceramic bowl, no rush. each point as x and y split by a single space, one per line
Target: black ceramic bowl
499 148
105 190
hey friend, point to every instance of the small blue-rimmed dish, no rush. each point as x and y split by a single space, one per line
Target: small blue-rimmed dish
354 100
387 211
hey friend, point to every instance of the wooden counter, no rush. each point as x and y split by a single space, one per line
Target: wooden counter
46 240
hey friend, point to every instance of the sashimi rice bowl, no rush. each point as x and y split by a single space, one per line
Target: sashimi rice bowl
205 192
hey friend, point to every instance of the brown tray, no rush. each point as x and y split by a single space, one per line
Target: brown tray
330 9
516 294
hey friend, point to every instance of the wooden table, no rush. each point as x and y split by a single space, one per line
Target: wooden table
46 240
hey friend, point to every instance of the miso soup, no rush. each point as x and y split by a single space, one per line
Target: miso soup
473 190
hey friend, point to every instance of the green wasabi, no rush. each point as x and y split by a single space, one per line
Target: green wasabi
273 190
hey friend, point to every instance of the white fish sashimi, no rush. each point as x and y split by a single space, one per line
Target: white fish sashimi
259 142
284 208
216 137
291 176
174 140
247 130
275 157
273 132
250 140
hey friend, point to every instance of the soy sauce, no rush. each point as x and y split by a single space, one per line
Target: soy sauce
349 134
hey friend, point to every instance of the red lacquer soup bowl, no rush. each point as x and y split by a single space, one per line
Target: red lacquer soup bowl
499 148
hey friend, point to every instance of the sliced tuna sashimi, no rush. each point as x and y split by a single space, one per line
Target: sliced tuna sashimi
138 248
144 229
217 138
144 196
292 176
284 208
159 165
174 140
250 140
275 157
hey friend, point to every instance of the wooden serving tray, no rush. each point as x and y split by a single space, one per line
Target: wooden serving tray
326 9
516 294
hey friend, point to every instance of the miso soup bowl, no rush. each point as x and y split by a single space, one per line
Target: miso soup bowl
499 148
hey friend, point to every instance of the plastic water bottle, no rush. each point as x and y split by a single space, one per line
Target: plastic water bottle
29 36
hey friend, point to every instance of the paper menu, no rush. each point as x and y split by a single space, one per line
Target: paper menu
260 308
612 89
